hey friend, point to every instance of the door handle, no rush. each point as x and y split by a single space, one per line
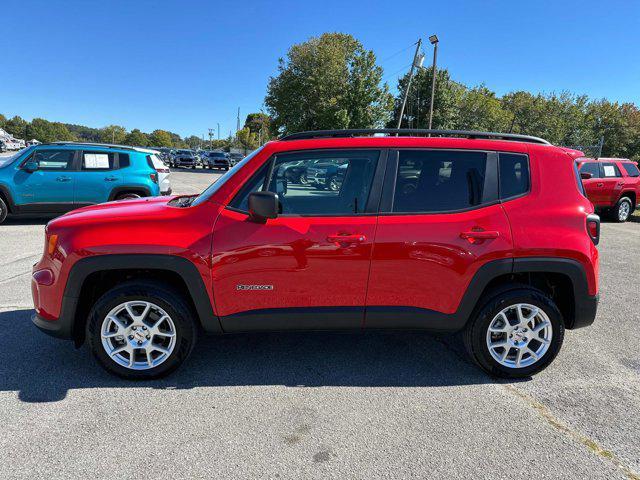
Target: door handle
473 235
346 239
111 179
63 179
600 184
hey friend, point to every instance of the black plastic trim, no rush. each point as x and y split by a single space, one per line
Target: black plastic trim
182 266
129 188
7 196
302 318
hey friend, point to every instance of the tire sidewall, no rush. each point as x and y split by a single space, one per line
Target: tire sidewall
479 328
616 211
4 210
165 299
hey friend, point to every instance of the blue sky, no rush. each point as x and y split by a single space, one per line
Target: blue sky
187 65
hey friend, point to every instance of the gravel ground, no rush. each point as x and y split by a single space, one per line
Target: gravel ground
375 405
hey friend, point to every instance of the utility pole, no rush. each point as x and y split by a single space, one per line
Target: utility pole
211 141
218 130
416 58
238 122
434 41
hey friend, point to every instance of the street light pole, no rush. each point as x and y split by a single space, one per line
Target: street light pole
434 41
406 91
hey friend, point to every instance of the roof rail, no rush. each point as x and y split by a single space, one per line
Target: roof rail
408 132
93 144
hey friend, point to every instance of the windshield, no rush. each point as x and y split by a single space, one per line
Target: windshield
4 161
213 188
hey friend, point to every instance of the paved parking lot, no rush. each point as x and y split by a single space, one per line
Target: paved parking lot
378 405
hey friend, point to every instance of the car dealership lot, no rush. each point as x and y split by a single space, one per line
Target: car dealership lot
333 405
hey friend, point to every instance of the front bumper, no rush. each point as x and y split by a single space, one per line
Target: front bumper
63 326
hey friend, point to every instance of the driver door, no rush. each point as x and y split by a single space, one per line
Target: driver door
308 268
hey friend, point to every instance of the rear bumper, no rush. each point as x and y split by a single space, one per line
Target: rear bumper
586 309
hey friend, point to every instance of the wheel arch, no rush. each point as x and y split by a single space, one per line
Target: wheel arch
91 277
5 194
631 194
139 189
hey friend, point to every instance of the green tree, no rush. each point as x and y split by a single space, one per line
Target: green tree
193 141
16 126
480 109
161 138
2 120
247 140
445 106
136 138
258 123
113 134
46 131
328 82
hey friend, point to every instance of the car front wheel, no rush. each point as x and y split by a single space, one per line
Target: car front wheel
4 211
141 330
516 334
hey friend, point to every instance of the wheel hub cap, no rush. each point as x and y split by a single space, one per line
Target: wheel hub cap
519 335
138 335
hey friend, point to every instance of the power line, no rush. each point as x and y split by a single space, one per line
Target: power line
397 53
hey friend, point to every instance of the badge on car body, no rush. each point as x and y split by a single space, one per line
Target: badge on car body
254 287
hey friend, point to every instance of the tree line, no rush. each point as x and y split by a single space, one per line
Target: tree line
333 82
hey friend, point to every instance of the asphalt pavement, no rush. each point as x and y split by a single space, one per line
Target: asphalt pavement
321 405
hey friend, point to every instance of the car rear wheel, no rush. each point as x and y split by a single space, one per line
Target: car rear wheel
128 196
516 333
4 211
622 210
141 330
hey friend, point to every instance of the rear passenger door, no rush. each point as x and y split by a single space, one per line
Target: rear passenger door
440 221
97 177
612 183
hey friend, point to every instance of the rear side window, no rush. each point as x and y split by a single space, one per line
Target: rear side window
514 175
123 160
610 170
438 181
631 169
592 168
98 160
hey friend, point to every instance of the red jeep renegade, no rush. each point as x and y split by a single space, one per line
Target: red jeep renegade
441 230
612 185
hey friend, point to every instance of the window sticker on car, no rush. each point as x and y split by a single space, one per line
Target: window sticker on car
96 160
609 171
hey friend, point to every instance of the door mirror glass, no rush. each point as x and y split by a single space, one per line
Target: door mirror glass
30 166
263 205
586 175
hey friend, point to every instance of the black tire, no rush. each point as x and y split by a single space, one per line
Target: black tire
193 167
4 210
475 334
622 210
172 302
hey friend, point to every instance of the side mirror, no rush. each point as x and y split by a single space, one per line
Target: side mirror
586 175
263 205
30 166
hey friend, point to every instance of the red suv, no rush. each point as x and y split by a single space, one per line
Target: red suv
483 232
612 185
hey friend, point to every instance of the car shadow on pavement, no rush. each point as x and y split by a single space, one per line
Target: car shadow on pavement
44 369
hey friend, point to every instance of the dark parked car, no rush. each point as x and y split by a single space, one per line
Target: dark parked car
327 175
216 160
184 158
235 158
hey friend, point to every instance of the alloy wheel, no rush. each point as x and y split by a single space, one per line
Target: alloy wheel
138 335
519 335
623 211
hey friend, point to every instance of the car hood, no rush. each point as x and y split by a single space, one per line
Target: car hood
121 209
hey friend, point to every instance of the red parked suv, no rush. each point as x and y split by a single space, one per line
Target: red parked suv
483 232
612 185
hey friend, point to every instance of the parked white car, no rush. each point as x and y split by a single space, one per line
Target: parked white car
163 171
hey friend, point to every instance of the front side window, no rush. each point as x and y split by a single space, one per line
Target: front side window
98 160
336 182
53 159
631 169
514 175
439 181
610 170
592 168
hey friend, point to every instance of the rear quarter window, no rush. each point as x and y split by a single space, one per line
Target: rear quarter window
514 175
631 169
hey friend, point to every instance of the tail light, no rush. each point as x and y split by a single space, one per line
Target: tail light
593 228
163 170
154 177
